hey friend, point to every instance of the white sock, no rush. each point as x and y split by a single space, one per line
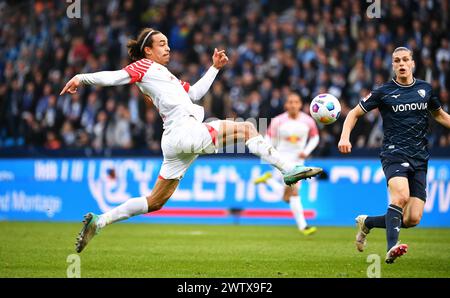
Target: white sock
276 185
297 209
131 207
260 147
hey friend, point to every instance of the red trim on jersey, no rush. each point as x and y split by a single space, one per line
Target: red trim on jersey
161 177
185 85
212 132
138 69
273 127
313 130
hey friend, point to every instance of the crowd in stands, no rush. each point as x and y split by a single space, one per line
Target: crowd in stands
274 47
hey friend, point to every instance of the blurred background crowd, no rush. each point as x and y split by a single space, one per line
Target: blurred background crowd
274 47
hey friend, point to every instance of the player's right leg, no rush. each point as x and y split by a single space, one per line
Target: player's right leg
92 223
292 197
246 131
399 194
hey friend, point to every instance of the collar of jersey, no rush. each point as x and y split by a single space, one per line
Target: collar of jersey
414 81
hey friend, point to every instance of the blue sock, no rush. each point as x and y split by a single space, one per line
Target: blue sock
378 222
375 222
393 218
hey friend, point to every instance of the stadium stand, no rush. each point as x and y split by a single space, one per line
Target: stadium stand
274 46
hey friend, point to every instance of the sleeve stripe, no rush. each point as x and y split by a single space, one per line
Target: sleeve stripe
137 70
273 127
142 64
185 85
140 68
313 130
364 109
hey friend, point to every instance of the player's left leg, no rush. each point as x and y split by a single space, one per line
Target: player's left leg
178 156
93 223
414 208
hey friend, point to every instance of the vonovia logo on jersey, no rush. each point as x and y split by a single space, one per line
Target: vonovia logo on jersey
410 107
421 92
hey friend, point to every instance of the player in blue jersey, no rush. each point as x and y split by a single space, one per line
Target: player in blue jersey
405 104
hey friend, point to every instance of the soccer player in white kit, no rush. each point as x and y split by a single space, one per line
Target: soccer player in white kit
185 136
295 135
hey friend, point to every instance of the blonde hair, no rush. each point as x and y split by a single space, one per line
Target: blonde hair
398 49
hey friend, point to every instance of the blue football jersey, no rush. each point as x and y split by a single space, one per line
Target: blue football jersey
404 109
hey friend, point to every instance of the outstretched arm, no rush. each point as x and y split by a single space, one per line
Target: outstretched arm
199 89
313 139
350 121
442 117
310 146
102 78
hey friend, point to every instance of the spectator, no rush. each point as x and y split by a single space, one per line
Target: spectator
90 112
52 142
68 134
119 134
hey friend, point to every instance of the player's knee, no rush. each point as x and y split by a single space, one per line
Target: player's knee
400 199
411 221
409 224
154 205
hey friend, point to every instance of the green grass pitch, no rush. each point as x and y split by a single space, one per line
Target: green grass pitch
31 249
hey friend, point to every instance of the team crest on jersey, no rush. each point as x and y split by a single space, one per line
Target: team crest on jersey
421 92
293 139
367 97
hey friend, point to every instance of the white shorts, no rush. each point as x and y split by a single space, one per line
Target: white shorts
182 144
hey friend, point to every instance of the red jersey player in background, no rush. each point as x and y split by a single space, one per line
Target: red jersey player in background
295 135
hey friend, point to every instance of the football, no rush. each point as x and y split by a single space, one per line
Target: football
325 108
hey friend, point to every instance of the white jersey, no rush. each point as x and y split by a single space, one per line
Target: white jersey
172 97
291 136
169 95
185 136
